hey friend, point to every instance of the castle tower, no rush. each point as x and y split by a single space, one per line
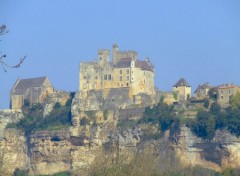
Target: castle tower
103 56
115 57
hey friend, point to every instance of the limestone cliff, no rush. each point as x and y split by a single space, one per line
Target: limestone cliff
101 141
217 154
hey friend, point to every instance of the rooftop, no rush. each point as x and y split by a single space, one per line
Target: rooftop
181 82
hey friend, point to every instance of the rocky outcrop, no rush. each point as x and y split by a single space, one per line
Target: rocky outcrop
50 152
13 152
8 116
56 97
217 154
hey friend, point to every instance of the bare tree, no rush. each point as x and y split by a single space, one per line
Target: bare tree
4 30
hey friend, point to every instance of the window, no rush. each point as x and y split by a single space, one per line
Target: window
128 78
127 71
120 78
105 77
96 77
222 97
109 77
84 77
120 72
127 84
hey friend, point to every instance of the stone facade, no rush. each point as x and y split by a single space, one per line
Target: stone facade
124 71
34 90
225 91
183 89
202 91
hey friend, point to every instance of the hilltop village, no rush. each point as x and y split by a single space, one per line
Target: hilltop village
122 82
119 121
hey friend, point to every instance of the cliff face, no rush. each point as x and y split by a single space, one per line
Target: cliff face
83 148
217 154
13 152
13 147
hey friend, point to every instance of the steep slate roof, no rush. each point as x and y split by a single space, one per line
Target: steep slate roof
204 86
181 82
24 84
144 65
124 63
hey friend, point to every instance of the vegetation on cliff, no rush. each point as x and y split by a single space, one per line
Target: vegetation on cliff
162 115
59 118
208 121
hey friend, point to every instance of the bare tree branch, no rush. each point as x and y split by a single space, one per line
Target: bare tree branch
4 30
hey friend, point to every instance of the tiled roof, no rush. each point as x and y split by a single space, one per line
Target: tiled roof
24 84
181 82
226 86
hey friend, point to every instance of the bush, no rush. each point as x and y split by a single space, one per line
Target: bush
105 114
161 114
12 125
19 172
84 121
59 118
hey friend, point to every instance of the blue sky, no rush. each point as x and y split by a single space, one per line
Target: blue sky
198 40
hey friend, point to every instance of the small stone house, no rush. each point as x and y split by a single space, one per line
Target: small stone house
183 90
32 90
202 91
225 91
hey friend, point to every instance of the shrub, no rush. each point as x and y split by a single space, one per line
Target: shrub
105 114
19 172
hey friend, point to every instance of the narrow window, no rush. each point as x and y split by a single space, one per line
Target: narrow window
127 71
127 78
109 77
120 78
105 77
120 72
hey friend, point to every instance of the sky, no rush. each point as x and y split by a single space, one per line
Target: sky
198 40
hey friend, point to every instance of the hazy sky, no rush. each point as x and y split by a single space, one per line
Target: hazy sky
195 39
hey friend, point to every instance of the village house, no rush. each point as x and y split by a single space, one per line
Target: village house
183 90
202 91
225 91
30 91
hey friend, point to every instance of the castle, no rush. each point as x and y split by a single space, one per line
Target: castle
125 71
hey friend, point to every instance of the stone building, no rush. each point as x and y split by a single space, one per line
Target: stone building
32 90
225 91
202 91
183 90
125 71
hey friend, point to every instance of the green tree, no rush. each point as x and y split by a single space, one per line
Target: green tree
204 125
235 100
213 93
215 108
